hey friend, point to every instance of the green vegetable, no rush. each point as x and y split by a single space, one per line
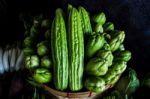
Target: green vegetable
109 26
128 83
28 51
106 46
95 84
96 66
69 7
31 61
34 32
42 75
124 55
110 77
121 48
116 39
60 51
99 18
113 80
45 23
120 35
76 50
114 72
94 44
110 74
85 19
98 28
119 67
107 55
42 48
28 41
114 44
107 37
46 62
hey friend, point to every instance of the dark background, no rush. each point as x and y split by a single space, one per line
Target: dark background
133 16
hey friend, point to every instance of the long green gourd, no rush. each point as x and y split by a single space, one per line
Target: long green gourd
85 19
59 51
76 50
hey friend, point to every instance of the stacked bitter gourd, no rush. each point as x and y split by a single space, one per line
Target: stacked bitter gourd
87 51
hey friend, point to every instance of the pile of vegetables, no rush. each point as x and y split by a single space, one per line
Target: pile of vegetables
75 49
37 49
11 58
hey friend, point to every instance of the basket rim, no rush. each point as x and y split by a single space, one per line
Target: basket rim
72 94
82 94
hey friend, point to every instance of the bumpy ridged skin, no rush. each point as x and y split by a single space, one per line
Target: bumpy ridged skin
94 44
99 28
119 67
109 26
99 18
85 19
59 51
76 50
107 55
116 40
96 66
123 55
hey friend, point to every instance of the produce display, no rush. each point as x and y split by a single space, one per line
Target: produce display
75 51
36 48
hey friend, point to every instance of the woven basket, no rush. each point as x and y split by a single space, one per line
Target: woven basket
75 95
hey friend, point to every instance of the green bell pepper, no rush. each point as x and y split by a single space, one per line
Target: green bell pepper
42 75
